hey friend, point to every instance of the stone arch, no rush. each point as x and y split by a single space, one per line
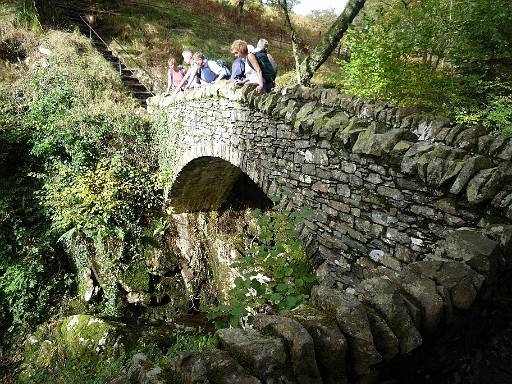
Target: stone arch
206 182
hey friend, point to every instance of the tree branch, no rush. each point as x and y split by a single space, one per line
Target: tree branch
329 40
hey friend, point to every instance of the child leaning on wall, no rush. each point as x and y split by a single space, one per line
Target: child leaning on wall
175 75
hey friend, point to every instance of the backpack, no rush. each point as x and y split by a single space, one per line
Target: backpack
225 67
269 74
208 76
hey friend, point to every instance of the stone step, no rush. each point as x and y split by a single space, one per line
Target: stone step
137 87
142 95
127 75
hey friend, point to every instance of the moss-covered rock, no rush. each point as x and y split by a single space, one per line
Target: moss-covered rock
82 340
136 278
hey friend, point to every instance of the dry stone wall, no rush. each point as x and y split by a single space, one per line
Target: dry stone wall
394 193
386 183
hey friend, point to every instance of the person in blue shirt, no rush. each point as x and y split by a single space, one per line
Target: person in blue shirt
208 70
238 69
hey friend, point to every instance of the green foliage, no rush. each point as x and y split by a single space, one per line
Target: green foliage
184 339
33 271
168 142
79 348
445 56
274 271
77 164
27 291
27 15
78 370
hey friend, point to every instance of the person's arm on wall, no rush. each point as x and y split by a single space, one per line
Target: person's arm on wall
254 63
188 79
169 83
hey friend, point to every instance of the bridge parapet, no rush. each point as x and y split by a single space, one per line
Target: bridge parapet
379 178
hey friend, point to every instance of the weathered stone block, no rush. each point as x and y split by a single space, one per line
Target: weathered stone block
468 138
473 248
410 158
224 369
264 357
190 367
353 320
460 280
385 296
299 342
385 340
331 347
469 168
424 292
376 144
486 183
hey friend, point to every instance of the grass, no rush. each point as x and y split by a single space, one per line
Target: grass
153 30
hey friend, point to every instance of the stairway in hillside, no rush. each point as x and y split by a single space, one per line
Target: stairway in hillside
128 76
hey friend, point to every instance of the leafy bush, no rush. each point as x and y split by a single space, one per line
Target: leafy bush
445 56
77 164
275 273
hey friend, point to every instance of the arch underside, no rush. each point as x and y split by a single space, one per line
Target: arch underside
204 184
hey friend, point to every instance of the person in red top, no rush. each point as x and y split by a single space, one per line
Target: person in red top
175 75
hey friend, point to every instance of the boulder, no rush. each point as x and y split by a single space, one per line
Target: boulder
383 295
189 368
460 280
423 291
410 159
352 319
486 183
376 144
263 357
299 343
468 138
327 127
223 369
142 371
473 248
348 134
330 345
469 168
385 340
439 164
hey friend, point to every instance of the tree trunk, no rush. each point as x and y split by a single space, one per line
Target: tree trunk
329 41
293 34
36 13
240 8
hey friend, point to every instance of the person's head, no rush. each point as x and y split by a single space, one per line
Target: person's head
262 44
250 48
187 57
239 48
173 63
199 58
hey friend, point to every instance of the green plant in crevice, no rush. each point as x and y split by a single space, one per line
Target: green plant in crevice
274 270
168 142
190 340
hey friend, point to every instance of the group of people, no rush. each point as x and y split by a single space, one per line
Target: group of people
251 65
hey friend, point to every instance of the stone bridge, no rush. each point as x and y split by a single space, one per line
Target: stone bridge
412 213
